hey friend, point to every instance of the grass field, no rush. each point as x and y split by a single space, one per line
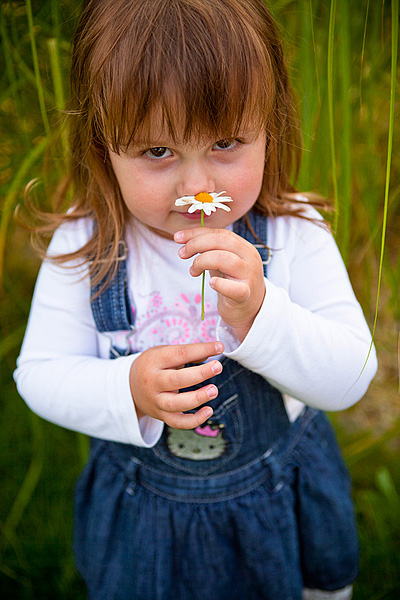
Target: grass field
343 65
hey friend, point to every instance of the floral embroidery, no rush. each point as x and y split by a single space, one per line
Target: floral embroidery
176 324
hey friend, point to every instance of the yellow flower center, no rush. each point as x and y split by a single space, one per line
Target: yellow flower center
203 197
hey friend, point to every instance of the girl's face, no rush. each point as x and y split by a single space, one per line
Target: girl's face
152 176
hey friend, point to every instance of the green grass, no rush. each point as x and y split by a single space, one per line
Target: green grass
343 63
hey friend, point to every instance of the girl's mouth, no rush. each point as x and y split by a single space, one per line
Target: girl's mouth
194 216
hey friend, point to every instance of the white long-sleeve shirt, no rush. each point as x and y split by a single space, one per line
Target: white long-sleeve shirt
310 339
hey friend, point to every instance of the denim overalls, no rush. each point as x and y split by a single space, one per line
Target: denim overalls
246 507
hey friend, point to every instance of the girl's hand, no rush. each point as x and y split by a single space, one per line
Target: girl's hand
158 374
236 273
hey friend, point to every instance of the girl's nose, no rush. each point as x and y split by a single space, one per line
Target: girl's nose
194 178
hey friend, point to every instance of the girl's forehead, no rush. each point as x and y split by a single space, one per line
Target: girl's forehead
157 128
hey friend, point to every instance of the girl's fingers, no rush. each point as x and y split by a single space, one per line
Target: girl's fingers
176 379
216 239
238 291
184 401
170 357
155 378
191 421
227 262
182 237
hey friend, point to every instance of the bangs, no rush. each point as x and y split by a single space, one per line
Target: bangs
189 68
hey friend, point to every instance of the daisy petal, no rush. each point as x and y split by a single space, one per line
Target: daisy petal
218 205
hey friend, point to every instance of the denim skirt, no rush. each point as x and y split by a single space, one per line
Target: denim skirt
262 531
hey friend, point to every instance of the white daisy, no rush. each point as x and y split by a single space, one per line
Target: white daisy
208 202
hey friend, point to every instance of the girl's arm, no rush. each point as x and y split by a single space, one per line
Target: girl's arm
302 329
63 371
310 338
65 375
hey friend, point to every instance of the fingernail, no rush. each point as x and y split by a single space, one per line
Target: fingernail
178 237
216 368
212 391
219 347
181 251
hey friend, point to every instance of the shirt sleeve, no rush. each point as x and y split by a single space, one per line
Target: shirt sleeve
60 371
310 339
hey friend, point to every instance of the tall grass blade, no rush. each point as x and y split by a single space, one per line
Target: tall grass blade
55 18
29 75
395 45
331 38
39 85
14 33
314 51
11 341
346 133
29 485
307 67
9 64
306 72
10 199
363 51
53 47
56 73
385 483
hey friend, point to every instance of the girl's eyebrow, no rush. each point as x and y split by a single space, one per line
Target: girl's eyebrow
141 143
167 141
152 142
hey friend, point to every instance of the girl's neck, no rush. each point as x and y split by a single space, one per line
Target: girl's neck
158 232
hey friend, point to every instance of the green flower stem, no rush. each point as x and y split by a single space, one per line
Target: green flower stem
203 276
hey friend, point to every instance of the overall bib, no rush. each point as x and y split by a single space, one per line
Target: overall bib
246 507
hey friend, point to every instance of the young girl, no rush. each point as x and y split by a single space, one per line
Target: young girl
213 473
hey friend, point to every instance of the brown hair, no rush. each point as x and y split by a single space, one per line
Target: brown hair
214 64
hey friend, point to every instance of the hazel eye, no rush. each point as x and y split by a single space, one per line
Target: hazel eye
158 152
227 144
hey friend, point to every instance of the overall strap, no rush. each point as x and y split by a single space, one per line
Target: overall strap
111 307
259 240
112 310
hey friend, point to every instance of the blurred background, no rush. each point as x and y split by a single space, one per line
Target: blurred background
342 58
